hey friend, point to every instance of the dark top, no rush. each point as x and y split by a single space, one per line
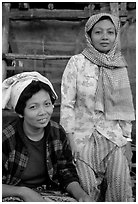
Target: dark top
35 172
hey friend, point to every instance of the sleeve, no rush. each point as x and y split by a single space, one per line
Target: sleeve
4 158
8 152
68 96
66 168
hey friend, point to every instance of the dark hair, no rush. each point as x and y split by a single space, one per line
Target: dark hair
28 92
102 18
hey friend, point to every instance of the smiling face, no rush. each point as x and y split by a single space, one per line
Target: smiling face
38 110
103 35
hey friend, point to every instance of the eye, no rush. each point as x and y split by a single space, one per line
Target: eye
98 32
47 104
32 107
111 32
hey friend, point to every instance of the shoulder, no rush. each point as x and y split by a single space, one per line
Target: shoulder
56 126
77 58
75 63
57 130
9 136
10 129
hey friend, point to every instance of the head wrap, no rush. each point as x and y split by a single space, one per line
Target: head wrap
113 95
12 87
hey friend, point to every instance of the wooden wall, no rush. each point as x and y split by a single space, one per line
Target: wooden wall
49 37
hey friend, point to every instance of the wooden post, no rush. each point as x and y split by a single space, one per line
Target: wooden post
5 36
105 7
114 9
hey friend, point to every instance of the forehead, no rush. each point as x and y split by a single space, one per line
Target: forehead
40 96
105 23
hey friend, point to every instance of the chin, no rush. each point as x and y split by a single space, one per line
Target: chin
43 124
105 50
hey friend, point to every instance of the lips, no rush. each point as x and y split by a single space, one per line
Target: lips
43 120
104 44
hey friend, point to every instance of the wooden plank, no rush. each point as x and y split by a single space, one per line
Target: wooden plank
14 56
48 14
46 69
63 15
46 46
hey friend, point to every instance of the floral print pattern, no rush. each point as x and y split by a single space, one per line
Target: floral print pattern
78 115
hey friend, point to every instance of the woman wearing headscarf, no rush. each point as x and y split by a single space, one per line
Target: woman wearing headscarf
97 110
35 149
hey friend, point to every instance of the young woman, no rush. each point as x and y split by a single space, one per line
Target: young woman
35 149
97 109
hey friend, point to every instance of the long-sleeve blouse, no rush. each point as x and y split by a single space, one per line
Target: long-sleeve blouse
77 115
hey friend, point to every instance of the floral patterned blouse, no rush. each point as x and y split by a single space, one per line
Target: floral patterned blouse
78 88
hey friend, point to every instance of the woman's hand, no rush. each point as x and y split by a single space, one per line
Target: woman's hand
86 198
78 193
29 195
25 193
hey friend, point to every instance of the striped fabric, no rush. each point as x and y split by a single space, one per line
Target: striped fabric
113 96
103 170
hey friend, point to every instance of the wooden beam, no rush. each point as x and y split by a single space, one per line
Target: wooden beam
19 68
48 14
63 15
13 56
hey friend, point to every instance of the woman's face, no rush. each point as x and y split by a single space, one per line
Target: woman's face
103 35
38 110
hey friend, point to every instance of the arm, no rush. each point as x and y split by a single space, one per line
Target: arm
68 176
78 193
126 127
68 96
27 194
68 100
72 144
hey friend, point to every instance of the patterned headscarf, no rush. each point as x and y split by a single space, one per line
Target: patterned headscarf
12 87
113 95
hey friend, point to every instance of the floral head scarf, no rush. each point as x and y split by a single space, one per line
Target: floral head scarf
12 87
113 96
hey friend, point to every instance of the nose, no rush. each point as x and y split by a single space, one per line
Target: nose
105 35
42 110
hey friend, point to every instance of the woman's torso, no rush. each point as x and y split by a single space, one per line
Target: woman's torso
86 118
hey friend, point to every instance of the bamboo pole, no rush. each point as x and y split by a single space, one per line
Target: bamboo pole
5 35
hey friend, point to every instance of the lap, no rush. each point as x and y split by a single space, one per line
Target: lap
55 196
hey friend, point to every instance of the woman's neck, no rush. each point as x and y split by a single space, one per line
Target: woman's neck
34 134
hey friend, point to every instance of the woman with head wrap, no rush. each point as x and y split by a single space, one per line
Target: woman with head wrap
97 110
35 149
